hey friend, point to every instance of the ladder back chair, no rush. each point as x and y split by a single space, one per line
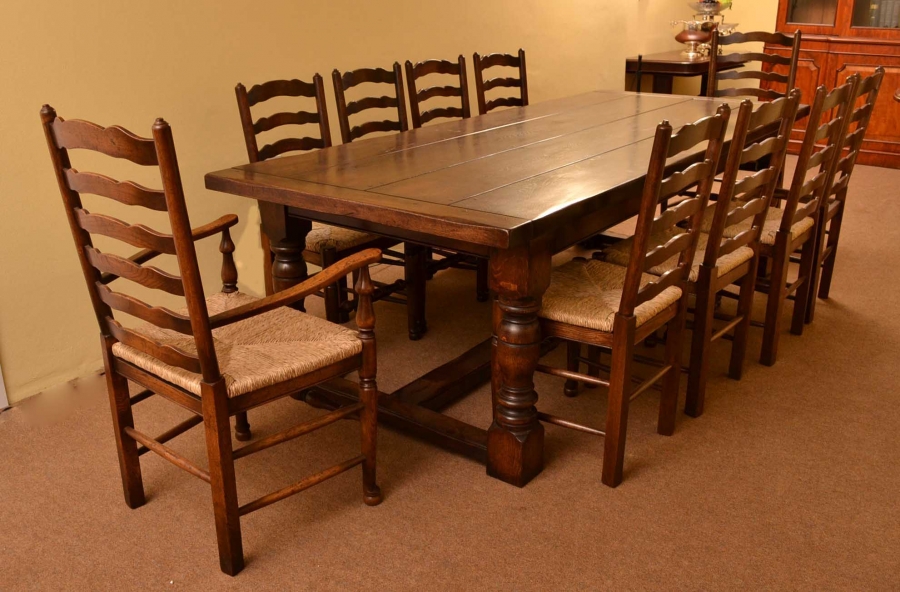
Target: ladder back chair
770 62
417 97
832 216
203 358
722 261
347 80
482 86
792 226
615 308
419 118
325 244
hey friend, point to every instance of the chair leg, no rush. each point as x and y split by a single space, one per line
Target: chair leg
120 405
619 393
775 304
222 481
482 293
242 431
827 272
573 351
809 267
698 373
332 291
593 354
668 403
368 394
741 331
415 260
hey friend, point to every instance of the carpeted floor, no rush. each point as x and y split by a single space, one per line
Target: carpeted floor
789 481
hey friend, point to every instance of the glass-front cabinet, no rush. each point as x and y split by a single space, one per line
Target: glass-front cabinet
844 37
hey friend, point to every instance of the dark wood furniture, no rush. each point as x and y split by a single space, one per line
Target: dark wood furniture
417 96
175 356
667 65
325 245
769 74
832 215
792 227
347 80
515 185
482 86
575 307
844 37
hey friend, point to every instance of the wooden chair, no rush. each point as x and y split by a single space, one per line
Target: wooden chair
325 245
615 308
766 76
792 227
347 80
419 117
721 261
832 215
482 86
198 358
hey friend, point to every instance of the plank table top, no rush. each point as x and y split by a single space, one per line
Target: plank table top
488 182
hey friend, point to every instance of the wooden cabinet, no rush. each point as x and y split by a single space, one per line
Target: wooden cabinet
843 37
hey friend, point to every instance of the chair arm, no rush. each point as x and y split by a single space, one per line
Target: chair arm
324 278
144 255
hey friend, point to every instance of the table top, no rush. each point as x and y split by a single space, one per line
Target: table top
673 62
492 181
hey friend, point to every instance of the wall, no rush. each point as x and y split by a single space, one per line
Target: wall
129 62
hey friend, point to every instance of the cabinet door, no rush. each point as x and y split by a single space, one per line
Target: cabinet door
882 145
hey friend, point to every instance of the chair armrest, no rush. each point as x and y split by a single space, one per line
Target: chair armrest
324 278
144 255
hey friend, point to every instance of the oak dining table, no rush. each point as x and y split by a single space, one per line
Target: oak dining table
515 186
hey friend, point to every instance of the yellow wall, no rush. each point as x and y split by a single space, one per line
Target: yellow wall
129 62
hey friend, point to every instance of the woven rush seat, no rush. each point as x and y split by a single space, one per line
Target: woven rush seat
254 353
587 293
770 228
323 236
620 254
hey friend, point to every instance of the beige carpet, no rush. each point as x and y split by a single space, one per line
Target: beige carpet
790 481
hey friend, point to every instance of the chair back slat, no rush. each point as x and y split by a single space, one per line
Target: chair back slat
126 192
166 353
482 86
112 141
157 315
417 97
809 185
147 276
136 235
751 195
102 268
710 130
347 80
283 88
717 67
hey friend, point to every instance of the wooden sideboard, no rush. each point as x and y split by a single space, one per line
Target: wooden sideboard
836 45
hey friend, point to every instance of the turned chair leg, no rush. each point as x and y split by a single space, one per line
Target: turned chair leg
741 331
222 480
698 373
242 431
368 390
619 399
120 405
593 354
775 304
668 403
482 292
573 352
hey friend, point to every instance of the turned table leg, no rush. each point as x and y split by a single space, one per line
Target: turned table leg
516 438
287 237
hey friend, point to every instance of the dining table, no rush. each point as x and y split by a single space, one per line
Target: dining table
515 186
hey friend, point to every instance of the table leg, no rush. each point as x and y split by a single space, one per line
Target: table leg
516 439
663 83
287 237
